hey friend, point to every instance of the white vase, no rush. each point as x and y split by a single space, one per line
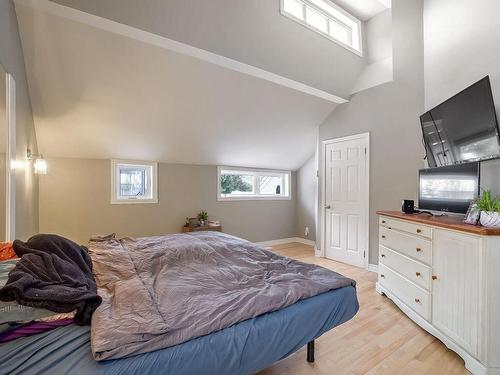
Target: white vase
490 219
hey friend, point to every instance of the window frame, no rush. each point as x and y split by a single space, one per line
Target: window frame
256 172
115 199
359 23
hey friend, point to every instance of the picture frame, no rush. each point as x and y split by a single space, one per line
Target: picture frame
473 214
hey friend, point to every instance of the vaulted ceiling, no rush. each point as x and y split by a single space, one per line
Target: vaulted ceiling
103 88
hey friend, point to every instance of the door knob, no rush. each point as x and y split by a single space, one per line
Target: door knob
328 207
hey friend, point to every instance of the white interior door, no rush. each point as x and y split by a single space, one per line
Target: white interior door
346 199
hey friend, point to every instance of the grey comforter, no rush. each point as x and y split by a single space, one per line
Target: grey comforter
161 291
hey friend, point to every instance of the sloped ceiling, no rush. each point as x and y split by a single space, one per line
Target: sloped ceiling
250 31
99 94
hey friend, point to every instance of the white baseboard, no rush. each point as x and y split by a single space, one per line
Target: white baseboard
373 268
287 240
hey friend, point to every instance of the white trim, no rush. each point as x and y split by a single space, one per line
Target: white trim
317 252
472 364
175 46
154 182
256 196
321 181
373 267
10 155
283 241
301 22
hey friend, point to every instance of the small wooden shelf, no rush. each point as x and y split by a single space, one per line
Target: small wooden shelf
215 228
448 222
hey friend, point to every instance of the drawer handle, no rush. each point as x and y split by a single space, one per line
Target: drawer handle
417 274
419 230
383 236
434 277
382 255
382 276
419 249
417 300
383 221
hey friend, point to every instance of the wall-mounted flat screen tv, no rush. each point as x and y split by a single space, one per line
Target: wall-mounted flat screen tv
463 128
448 189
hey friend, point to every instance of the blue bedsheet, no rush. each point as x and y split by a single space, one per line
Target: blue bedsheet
244 348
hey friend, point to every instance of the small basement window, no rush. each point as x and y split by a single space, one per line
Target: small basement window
134 182
252 184
327 19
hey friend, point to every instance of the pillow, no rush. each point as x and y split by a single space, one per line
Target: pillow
13 312
7 251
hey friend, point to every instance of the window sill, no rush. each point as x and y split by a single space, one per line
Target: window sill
224 199
135 201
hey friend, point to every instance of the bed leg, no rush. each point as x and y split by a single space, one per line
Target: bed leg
310 351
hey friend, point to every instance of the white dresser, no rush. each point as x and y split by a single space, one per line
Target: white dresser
445 276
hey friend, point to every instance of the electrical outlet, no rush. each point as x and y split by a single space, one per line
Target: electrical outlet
306 232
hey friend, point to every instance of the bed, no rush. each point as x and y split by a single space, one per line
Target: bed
242 348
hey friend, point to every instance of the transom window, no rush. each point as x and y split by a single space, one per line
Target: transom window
252 184
327 19
133 182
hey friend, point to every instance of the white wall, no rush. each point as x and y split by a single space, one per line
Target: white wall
462 45
378 32
390 112
306 199
379 68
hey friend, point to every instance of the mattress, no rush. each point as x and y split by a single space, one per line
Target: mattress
244 348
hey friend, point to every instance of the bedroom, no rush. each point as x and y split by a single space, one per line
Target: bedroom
144 120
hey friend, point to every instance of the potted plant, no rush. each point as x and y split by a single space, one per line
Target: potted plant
203 218
490 210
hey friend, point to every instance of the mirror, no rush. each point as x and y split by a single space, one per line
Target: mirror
3 155
7 153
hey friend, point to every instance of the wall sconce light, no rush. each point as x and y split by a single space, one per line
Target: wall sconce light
40 164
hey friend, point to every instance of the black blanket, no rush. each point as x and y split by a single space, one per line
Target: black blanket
53 273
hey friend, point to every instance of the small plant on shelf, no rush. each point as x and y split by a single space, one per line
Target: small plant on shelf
203 217
490 209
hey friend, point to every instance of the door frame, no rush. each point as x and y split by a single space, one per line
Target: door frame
322 184
10 155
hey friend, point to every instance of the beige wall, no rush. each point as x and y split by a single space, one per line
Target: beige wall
11 57
75 202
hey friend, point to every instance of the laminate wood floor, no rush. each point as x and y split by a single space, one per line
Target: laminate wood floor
380 339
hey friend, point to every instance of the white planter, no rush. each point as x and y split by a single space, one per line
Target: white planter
490 219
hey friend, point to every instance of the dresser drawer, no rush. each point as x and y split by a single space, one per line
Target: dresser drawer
413 246
414 271
410 294
406 226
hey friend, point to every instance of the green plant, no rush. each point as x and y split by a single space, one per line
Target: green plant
203 215
487 202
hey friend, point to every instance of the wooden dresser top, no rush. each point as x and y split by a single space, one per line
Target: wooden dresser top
448 222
